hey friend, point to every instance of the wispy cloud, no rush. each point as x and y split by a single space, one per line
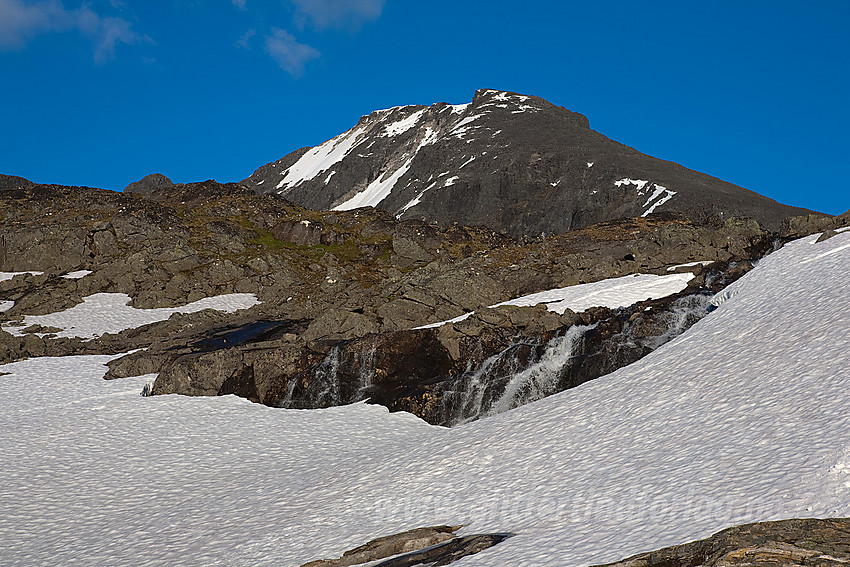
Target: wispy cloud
20 22
339 14
289 54
243 41
239 4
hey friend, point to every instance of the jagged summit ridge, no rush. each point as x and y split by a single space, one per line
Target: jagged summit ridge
513 162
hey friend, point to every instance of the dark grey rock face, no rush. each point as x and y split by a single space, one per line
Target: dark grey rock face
514 163
149 183
13 182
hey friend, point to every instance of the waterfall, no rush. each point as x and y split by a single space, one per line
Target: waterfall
542 378
516 376
326 376
683 313
366 363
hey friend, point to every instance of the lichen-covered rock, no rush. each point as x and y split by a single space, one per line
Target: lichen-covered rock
786 543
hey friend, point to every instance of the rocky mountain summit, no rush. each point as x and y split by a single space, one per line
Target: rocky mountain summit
350 301
514 163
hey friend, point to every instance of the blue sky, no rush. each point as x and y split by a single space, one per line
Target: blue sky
103 92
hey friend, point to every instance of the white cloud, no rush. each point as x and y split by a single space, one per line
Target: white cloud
20 22
239 4
350 14
243 41
289 54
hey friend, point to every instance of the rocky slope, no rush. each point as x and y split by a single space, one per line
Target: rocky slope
343 290
789 543
514 163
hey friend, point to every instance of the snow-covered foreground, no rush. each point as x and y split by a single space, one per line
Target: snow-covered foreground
103 313
745 417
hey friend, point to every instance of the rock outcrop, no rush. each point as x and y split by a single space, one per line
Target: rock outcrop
786 543
436 545
148 184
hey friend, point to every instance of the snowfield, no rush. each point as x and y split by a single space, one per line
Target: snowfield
611 293
103 313
745 417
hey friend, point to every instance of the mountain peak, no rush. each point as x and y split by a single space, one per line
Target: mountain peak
513 162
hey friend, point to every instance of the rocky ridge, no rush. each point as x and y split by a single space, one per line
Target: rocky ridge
514 163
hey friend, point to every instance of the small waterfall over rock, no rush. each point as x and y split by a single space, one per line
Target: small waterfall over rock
522 373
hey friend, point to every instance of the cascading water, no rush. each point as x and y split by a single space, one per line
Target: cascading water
516 376
366 362
326 377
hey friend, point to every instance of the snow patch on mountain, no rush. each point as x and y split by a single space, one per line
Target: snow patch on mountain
103 313
403 125
9 275
611 293
380 188
639 183
321 158
6 305
79 274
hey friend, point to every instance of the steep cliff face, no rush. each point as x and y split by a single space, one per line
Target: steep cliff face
511 162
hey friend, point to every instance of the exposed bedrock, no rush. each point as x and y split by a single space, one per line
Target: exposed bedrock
787 543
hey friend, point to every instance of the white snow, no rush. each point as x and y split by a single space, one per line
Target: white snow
743 418
328 178
321 158
450 181
589 164
9 275
378 189
403 125
690 265
6 305
655 194
103 313
467 162
659 202
462 127
459 108
416 200
611 293
639 183
77 275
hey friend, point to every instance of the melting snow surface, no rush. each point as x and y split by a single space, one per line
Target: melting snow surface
77 275
9 275
321 158
611 293
103 313
742 418
6 305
